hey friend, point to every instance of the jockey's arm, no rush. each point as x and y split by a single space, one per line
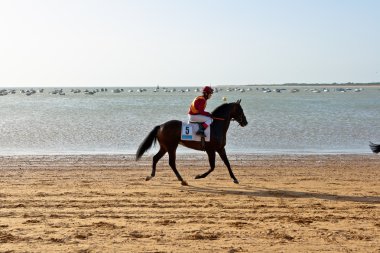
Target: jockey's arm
200 105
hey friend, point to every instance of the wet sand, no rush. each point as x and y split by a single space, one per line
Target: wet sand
291 203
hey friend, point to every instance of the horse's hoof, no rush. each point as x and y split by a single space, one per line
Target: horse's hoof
236 181
148 178
198 176
184 183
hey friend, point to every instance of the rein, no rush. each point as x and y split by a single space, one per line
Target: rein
218 118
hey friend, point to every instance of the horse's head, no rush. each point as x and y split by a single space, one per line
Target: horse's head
237 114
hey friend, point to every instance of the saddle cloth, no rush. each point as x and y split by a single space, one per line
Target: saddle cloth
188 132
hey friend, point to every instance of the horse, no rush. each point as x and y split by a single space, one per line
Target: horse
374 147
169 137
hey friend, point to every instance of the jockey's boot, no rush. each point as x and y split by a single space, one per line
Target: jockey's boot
201 130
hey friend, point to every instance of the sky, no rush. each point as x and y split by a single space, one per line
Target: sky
188 42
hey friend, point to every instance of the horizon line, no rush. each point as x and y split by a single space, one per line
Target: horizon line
179 85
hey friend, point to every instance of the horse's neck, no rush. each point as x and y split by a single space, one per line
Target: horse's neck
222 121
225 126
223 117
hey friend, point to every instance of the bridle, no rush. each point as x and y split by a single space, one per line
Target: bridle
240 119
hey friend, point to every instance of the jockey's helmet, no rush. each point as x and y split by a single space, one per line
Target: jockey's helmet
207 90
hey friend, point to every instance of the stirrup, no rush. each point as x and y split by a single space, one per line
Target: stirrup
201 132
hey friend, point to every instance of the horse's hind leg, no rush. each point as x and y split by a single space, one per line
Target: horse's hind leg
172 157
223 155
156 158
211 159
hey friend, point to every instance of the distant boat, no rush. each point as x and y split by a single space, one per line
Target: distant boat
374 147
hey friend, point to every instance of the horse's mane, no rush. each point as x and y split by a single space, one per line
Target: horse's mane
221 110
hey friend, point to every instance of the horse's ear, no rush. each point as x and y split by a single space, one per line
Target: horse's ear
238 102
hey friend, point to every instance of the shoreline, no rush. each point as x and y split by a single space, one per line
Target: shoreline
183 157
111 161
151 153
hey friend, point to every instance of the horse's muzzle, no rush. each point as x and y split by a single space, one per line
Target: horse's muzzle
243 124
243 121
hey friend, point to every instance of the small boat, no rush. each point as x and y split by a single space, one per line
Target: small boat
374 147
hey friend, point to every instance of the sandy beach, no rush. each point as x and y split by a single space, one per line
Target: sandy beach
100 203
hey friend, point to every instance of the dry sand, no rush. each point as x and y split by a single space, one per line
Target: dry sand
292 203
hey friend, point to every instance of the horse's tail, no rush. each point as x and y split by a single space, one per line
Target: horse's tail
147 143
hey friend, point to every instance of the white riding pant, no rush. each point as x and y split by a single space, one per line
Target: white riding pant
200 118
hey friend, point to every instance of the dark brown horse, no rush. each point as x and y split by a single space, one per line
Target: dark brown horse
169 136
374 147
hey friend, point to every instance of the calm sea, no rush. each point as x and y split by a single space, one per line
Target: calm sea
307 120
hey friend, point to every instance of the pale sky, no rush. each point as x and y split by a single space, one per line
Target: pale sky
188 42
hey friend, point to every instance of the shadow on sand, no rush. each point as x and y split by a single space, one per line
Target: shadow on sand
264 192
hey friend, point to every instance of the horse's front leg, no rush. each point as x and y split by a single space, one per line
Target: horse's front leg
211 159
223 155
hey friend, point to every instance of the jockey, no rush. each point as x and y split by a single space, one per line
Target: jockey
197 111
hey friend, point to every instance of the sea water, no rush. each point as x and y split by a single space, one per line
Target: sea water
286 120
